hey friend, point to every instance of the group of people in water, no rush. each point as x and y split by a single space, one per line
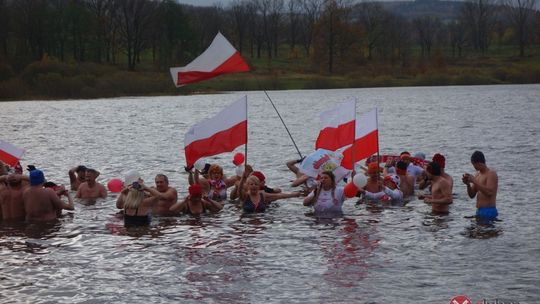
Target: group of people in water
31 198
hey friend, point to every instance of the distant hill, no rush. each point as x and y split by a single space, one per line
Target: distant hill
445 10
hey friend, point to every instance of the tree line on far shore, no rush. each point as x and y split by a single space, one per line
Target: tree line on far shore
331 36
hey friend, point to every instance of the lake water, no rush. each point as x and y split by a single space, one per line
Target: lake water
371 255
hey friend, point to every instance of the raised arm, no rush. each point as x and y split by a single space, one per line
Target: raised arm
471 188
58 203
179 206
270 197
212 205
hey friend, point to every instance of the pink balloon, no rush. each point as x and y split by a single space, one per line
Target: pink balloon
115 185
238 159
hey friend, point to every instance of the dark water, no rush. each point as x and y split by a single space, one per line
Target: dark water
371 255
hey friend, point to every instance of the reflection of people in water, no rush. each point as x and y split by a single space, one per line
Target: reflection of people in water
484 186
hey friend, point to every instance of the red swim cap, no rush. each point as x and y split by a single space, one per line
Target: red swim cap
259 175
373 168
195 190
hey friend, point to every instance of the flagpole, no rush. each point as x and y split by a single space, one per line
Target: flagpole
378 154
246 147
354 139
283 122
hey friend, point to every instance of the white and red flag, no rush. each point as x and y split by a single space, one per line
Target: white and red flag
366 142
221 133
337 126
9 153
219 58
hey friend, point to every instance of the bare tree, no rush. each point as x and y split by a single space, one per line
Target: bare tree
311 13
479 18
521 14
457 37
293 14
240 18
373 20
427 29
135 18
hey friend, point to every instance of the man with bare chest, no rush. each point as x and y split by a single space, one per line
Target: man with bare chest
441 190
11 199
483 185
41 204
91 189
166 196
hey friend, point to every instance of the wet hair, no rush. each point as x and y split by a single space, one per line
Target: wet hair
401 165
405 153
478 157
332 177
164 177
14 180
253 179
434 168
49 185
80 169
93 171
133 199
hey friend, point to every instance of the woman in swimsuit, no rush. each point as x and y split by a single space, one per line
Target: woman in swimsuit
196 204
218 183
252 199
135 203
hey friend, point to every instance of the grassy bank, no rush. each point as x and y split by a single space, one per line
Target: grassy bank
51 79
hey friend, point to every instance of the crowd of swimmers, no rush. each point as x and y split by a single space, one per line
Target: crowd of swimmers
29 197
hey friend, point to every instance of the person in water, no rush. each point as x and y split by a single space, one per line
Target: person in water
441 190
11 198
253 199
218 183
166 196
406 180
91 189
195 203
76 177
134 201
327 198
41 204
308 182
483 185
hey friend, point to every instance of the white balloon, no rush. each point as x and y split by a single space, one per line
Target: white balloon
360 180
240 170
199 164
131 176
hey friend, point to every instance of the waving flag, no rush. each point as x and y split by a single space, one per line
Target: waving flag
366 142
221 133
10 154
338 126
219 58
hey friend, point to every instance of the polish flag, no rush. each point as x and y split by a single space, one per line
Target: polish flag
338 126
366 142
221 133
10 154
219 58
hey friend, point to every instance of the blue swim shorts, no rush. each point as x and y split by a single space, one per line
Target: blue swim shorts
487 213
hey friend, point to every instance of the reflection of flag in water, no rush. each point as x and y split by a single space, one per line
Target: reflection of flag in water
337 126
366 142
219 58
323 160
221 133
10 154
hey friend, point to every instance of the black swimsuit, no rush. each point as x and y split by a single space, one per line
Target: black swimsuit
249 207
136 220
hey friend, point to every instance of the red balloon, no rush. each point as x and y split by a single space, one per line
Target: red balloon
238 159
115 185
350 190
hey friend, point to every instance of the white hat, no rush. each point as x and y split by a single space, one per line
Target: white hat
131 176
